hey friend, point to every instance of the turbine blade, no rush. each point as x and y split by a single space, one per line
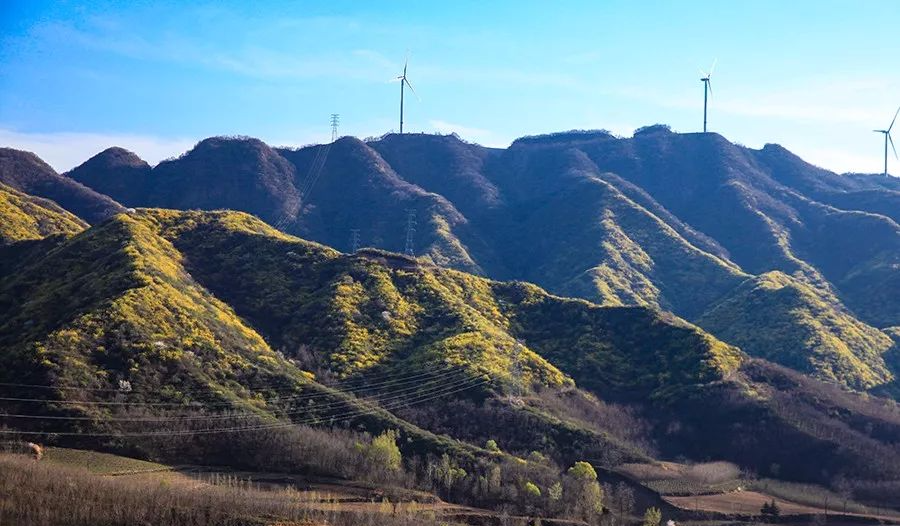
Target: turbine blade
709 83
711 69
891 139
893 121
411 89
702 73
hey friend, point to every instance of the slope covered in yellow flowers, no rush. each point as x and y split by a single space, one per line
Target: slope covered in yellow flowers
27 217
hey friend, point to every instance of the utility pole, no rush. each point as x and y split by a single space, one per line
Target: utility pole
335 121
410 231
354 240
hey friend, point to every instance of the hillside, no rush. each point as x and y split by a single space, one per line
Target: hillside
671 221
210 310
27 217
351 187
796 318
115 303
25 172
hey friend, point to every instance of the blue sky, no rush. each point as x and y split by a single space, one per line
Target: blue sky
155 77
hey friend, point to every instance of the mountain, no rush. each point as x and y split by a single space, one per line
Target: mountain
217 309
115 172
25 172
687 223
349 186
27 217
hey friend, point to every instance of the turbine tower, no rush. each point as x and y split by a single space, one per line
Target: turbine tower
707 90
888 138
404 81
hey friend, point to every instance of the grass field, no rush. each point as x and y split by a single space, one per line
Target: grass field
83 488
63 491
100 463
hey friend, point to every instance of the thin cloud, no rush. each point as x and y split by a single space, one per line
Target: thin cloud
469 133
250 61
815 100
840 161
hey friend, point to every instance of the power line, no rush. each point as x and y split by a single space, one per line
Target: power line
315 420
410 391
315 170
394 381
410 386
387 374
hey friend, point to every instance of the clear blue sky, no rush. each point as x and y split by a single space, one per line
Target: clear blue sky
816 76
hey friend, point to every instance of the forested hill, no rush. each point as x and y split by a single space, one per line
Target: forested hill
688 223
216 316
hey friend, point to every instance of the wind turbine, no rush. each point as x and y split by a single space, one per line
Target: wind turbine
404 81
707 89
887 137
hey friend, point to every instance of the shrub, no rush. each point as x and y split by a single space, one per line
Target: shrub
652 517
384 456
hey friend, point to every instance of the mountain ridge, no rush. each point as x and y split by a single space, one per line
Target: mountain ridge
27 173
672 221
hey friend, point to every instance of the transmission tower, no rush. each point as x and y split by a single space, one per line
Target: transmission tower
354 240
517 391
410 231
335 121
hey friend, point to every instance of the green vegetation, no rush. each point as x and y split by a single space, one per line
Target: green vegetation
383 453
623 351
770 511
25 217
237 325
581 489
652 517
804 330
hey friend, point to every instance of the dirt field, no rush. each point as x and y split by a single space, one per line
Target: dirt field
334 495
743 502
750 502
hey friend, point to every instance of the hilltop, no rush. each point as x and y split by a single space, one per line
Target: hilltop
26 172
679 222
